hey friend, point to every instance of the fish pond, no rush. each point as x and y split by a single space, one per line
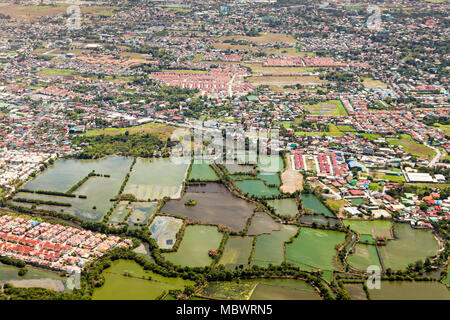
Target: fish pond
127 280
195 246
201 170
237 252
284 207
314 249
214 204
311 202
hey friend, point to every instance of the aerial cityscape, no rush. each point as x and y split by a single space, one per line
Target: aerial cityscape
224 150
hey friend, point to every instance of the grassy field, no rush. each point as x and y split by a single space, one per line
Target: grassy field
281 81
373 84
332 131
412 147
371 136
263 38
257 67
328 108
288 52
443 127
56 72
163 130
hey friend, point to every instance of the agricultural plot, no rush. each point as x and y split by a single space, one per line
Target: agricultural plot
126 280
363 257
195 246
376 228
303 251
237 251
154 179
269 248
406 290
164 230
409 246
257 188
284 207
311 202
328 108
262 289
356 291
262 223
201 170
141 212
219 207
412 147
120 212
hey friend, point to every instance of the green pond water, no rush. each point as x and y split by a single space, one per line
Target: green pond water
270 178
66 173
270 163
120 287
99 190
262 223
364 256
120 212
154 179
311 202
11 273
374 229
237 251
314 249
215 205
269 248
202 170
406 290
256 188
261 289
195 246
284 207
409 246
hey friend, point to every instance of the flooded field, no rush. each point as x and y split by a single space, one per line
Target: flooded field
311 202
270 178
363 257
126 280
154 179
409 246
374 229
262 289
269 247
195 246
257 188
318 218
164 231
284 207
98 190
201 170
270 163
66 173
120 212
237 251
304 253
262 223
141 212
215 205
239 168
405 290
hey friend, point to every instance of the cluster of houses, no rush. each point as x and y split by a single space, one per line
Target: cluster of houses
55 247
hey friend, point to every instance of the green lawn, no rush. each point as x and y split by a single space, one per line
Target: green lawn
332 131
56 72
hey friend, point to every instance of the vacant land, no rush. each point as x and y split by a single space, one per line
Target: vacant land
164 131
292 180
373 84
328 108
412 147
271 38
